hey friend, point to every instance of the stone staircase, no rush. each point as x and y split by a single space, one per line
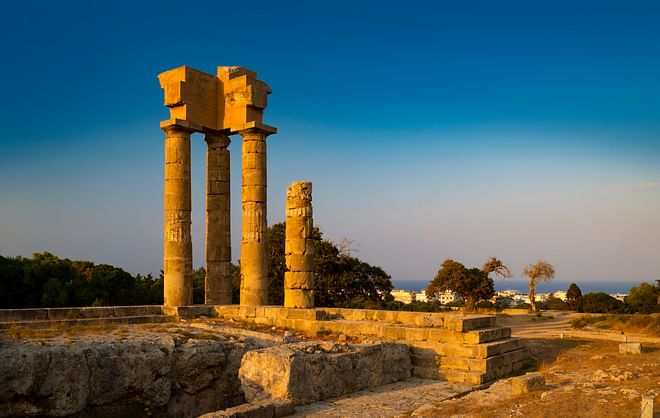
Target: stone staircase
41 318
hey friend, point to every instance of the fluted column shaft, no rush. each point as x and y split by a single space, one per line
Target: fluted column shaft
254 266
299 247
177 249
218 224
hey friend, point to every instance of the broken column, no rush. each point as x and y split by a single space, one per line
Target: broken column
299 247
254 263
218 286
177 251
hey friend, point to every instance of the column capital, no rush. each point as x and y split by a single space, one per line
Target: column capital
179 125
217 138
254 128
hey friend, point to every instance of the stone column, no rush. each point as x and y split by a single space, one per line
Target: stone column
177 251
254 267
218 225
299 247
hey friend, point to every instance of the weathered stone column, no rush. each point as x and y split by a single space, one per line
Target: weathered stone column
299 247
254 267
218 223
177 251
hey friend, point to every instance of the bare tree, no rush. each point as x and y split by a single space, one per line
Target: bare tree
541 271
493 265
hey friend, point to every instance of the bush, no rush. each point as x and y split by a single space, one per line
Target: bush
455 303
484 304
583 321
642 299
555 304
600 302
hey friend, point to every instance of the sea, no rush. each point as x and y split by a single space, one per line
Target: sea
523 286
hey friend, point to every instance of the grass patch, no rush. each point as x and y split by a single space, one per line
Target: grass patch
639 323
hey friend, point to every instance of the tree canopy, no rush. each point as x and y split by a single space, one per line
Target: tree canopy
472 284
573 296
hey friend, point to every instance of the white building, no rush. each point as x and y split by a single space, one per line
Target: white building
405 296
448 296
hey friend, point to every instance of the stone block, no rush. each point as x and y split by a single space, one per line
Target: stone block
16 315
647 407
295 246
299 280
300 262
416 334
528 383
253 193
64 313
309 372
129 310
299 313
630 348
298 298
486 335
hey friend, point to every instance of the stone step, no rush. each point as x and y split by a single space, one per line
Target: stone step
485 335
481 351
482 364
123 320
477 377
469 322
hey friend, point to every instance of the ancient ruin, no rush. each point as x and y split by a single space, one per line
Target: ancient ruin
299 247
231 102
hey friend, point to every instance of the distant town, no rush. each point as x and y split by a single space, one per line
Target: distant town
503 298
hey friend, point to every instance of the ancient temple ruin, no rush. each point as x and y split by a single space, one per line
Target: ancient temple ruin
230 102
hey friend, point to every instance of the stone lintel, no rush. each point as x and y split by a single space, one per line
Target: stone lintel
165 124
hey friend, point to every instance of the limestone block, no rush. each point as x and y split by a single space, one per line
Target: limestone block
299 280
305 373
299 262
296 212
254 147
295 246
254 177
630 348
253 193
527 383
647 407
298 298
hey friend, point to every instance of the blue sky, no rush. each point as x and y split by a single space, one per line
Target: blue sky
522 130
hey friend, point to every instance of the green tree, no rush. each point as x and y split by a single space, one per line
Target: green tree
472 284
573 296
642 299
537 272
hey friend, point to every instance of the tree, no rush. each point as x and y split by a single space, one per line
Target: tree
541 271
493 265
642 299
472 284
573 296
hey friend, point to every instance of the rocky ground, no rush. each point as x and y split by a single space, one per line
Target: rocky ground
585 377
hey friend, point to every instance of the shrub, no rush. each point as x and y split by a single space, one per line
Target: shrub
600 302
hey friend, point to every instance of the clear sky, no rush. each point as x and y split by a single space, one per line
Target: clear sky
521 130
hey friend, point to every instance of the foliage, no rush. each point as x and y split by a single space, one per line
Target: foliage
643 299
555 304
472 284
600 302
584 321
539 271
48 281
341 280
573 296
485 304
